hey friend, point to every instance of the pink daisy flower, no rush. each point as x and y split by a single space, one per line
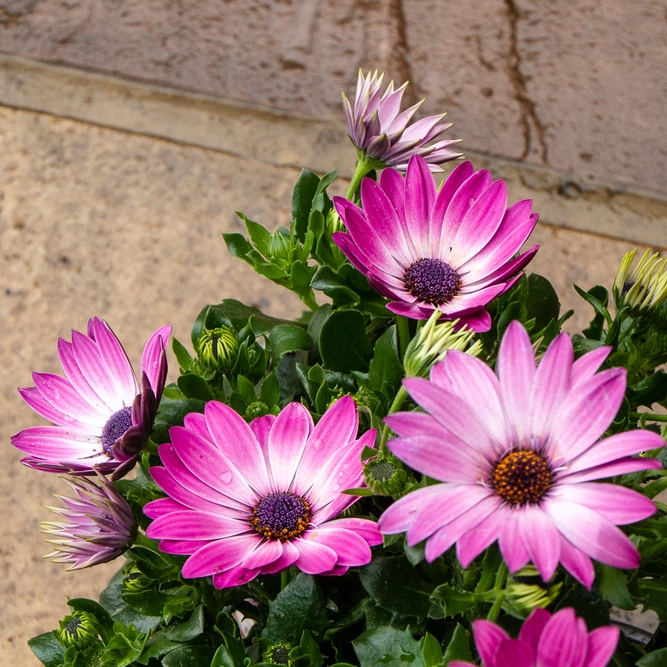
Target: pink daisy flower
425 249
378 130
254 499
99 525
560 640
102 417
518 455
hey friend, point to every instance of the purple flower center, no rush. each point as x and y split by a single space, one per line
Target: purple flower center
281 516
432 281
522 478
115 428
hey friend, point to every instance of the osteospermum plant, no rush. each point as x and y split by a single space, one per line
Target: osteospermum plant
423 469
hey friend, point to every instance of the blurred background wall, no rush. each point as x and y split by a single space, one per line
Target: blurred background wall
131 130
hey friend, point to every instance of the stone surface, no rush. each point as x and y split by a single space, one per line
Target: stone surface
579 86
96 221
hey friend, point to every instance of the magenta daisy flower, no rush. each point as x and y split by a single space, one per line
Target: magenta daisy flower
560 640
451 249
102 417
518 455
254 499
99 525
379 131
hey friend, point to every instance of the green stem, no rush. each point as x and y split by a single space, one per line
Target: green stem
363 166
649 415
401 395
501 576
309 299
143 541
403 328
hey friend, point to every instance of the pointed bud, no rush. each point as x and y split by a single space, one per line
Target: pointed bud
525 591
99 527
433 340
645 286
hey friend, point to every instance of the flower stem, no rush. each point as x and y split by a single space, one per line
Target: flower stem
401 395
363 166
403 328
501 576
650 416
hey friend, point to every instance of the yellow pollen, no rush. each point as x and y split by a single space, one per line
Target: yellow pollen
522 478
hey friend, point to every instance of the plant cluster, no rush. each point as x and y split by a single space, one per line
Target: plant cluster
410 474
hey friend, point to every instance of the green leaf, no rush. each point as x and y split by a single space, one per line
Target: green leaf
48 649
156 646
238 246
124 647
260 236
111 600
182 355
154 564
189 656
653 595
654 659
190 629
431 651
302 201
613 586
385 370
239 314
542 303
287 338
454 601
231 654
389 647
458 648
172 413
326 181
596 297
343 343
299 606
394 584
246 389
194 386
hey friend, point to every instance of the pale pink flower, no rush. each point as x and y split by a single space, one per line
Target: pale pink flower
518 454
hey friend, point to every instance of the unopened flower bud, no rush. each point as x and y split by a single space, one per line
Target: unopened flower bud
134 581
645 286
385 475
525 591
80 629
278 654
432 343
280 245
256 409
218 349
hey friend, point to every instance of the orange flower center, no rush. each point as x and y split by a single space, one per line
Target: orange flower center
522 478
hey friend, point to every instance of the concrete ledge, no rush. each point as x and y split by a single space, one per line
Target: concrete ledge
285 139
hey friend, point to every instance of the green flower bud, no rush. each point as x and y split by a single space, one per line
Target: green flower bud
525 591
218 349
134 581
256 409
80 629
385 475
280 245
645 286
278 654
432 343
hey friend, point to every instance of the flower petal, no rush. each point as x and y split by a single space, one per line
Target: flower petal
216 557
287 440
